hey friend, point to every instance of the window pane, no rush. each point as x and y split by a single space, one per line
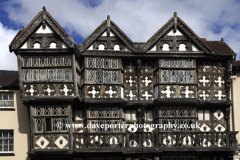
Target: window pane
5 134
1 96
10 96
10 141
5 147
5 96
10 134
10 147
68 74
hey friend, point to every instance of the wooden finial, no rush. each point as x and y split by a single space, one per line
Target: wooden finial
175 22
175 14
108 17
222 39
44 8
23 28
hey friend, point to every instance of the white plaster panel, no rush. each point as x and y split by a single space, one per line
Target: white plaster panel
45 30
177 33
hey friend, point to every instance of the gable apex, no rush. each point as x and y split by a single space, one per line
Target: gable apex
42 20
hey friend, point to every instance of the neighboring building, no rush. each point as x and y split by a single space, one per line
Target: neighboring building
14 119
236 101
174 78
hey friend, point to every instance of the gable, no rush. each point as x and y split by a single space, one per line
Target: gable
43 32
175 41
44 37
108 37
175 36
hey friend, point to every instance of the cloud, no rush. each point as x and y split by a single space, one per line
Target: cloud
139 19
8 61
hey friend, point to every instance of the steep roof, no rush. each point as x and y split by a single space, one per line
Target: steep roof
219 48
41 17
9 79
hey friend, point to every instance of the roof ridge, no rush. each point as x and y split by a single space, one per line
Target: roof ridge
16 37
94 31
121 31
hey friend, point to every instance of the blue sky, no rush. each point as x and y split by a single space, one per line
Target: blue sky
139 19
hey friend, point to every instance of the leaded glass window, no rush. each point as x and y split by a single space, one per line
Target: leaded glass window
43 74
67 60
163 112
172 112
181 124
59 61
189 63
93 126
42 61
173 63
189 77
115 112
26 61
106 63
50 61
108 112
100 123
99 112
173 76
6 100
181 63
114 63
39 125
114 76
164 76
190 111
63 124
92 112
46 111
90 62
108 126
99 76
35 74
27 74
63 110
106 76
90 74
54 111
181 112
59 74
51 74
34 61
55 124
181 76
68 74
99 63
164 63
38 111
116 127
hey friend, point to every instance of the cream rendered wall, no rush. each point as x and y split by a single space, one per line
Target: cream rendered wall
18 122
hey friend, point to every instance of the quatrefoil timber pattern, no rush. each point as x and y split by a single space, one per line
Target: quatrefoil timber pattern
93 91
110 92
66 89
49 89
211 81
31 90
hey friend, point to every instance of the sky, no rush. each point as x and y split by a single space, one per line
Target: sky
138 19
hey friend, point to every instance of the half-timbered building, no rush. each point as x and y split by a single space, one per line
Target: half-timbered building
176 85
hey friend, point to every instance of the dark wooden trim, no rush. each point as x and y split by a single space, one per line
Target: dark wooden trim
7 109
7 154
